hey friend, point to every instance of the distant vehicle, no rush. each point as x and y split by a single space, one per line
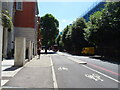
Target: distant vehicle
88 51
55 48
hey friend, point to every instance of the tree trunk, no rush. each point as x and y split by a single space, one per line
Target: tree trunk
45 49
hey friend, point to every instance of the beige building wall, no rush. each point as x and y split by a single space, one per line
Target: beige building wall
8 36
11 33
28 33
1 35
5 42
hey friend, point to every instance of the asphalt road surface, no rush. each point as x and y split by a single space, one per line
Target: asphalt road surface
94 74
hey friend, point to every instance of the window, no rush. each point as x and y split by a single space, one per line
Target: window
18 5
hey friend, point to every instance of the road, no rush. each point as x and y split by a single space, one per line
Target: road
94 74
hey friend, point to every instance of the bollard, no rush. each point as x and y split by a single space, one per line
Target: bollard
20 48
30 50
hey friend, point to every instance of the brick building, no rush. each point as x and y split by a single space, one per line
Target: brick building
39 35
26 22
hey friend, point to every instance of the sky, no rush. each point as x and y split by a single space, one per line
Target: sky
64 12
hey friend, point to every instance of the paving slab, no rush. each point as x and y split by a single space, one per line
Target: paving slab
8 70
35 74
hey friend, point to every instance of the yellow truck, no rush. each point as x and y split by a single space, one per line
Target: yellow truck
88 51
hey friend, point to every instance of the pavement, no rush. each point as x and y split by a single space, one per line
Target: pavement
34 75
8 71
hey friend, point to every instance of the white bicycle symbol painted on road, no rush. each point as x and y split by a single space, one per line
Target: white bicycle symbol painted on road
62 68
94 77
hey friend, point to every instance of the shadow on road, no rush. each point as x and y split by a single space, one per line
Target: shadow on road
107 59
48 52
12 68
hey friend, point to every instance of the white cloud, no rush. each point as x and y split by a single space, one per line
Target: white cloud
70 22
64 20
67 21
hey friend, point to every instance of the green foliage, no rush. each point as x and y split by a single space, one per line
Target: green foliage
58 39
59 42
49 29
64 34
7 20
103 30
68 40
73 36
93 31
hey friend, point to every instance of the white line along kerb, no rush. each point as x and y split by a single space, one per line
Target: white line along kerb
54 77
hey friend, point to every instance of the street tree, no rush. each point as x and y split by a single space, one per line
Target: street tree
73 36
64 40
49 30
77 35
103 29
59 42
7 20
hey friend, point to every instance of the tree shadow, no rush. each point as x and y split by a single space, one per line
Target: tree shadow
48 53
12 68
107 59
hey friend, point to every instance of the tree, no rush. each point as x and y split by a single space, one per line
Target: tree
66 38
111 25
49 30
103 29
73 36
64 33
7 20
95 35
77 35
58 39
59 42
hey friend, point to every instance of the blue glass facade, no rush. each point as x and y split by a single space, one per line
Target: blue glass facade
98 7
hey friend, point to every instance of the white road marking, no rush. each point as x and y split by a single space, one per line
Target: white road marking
102 74
62 68
54 76
94 77
77 60
3 82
